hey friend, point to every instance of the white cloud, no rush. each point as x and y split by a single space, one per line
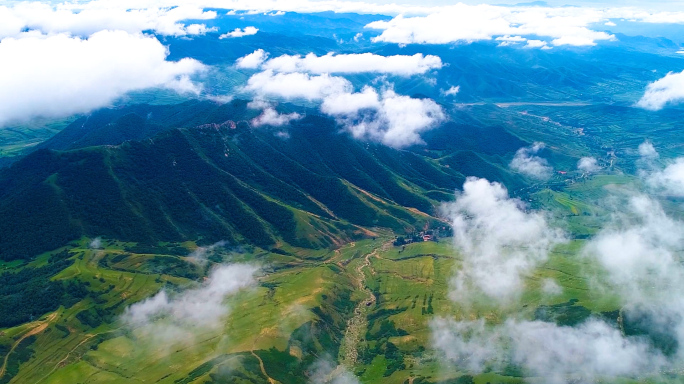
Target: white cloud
670 180
272 118
646 16
636 259
198 308
248 31
392 119
401 65
453 91
647 150
537 44
508 40
610 24
351 103
199 29
63 18
468 23
639 251
253 60
259 104
551 287
296 85
558 354
271 7
526 162
668 90
199 255
513 39
395 120
499 241
403 118
96 243
59 75
324 371
253 7
220 99
588 164
567 25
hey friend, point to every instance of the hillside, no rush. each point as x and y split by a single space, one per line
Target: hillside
218 182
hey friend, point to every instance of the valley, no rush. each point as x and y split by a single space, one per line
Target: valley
341 193
336 293
368 301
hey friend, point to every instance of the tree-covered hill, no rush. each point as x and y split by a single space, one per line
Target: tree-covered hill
217 182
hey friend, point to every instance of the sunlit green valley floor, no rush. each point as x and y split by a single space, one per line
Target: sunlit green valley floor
367 303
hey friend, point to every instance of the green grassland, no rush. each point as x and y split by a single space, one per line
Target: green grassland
17 138
297 313
322 242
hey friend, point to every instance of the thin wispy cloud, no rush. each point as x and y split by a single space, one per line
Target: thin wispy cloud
529 164
667 180
171 318
588 164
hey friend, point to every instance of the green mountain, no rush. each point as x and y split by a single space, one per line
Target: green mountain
215 182
316 209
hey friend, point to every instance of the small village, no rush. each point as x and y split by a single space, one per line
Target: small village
424 235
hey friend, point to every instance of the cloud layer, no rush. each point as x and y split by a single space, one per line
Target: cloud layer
59 75
468 23
91 18
430 24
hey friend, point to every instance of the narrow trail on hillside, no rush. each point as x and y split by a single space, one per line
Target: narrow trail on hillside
42 325
263 370
62 362
356 326
261 363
